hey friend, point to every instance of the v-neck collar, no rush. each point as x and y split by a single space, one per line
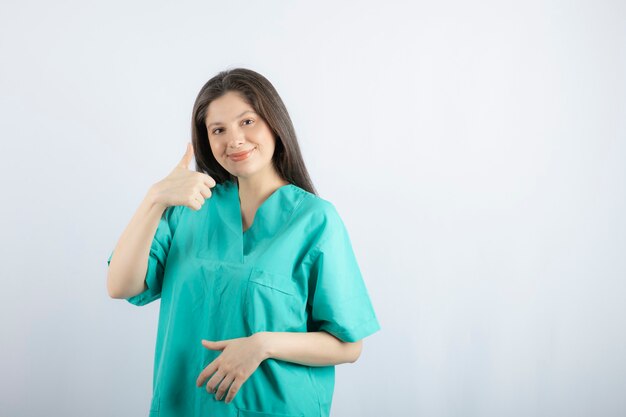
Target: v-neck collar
270 217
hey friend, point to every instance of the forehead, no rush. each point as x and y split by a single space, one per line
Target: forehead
226 108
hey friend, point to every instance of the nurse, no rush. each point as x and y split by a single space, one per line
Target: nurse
261 293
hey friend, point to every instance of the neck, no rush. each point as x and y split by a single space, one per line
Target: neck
254 190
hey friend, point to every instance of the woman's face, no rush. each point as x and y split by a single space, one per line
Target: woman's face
241 141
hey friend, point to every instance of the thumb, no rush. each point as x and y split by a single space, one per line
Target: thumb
220 345
187 157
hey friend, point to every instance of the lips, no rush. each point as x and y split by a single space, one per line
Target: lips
238 156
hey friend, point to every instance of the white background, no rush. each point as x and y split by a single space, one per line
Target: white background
475 151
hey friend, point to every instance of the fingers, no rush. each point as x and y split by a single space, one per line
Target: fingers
184 186
205 193
199 193
205 187
234 389
209 181
196 201
221 381
208 371
215 380
216 344
230 383
224 386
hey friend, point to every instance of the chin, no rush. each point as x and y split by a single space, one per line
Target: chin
242 174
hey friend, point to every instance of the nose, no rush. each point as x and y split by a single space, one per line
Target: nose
236 139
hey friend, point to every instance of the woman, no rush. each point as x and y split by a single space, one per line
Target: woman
261 294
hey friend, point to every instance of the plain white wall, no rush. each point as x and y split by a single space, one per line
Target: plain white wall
475 151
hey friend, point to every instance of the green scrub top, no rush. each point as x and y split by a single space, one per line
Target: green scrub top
293 270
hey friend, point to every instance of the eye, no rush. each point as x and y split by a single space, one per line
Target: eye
247 120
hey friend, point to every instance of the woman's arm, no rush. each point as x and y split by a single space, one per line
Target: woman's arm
308 348
129 264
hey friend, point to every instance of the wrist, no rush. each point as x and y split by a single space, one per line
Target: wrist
264 342
152 197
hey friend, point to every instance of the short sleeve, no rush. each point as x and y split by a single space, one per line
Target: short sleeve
338 300
159 250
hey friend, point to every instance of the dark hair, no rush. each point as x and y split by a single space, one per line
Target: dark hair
259 93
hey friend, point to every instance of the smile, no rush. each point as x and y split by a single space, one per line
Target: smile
240 156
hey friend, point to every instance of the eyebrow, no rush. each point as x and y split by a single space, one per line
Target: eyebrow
219 123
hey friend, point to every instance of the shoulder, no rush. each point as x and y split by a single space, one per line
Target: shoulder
321 217
315 206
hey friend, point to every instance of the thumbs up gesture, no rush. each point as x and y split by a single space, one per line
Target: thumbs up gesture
184 187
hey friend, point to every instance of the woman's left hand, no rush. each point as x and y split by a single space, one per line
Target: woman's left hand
239 359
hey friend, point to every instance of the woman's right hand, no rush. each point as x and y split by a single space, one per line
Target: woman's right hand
183 187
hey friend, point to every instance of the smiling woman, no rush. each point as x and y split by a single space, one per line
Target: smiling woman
261 293
245 146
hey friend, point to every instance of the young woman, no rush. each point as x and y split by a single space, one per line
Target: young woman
261 294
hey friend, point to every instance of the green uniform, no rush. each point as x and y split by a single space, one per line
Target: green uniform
293 270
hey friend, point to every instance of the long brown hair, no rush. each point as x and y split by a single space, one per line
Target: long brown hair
259 93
